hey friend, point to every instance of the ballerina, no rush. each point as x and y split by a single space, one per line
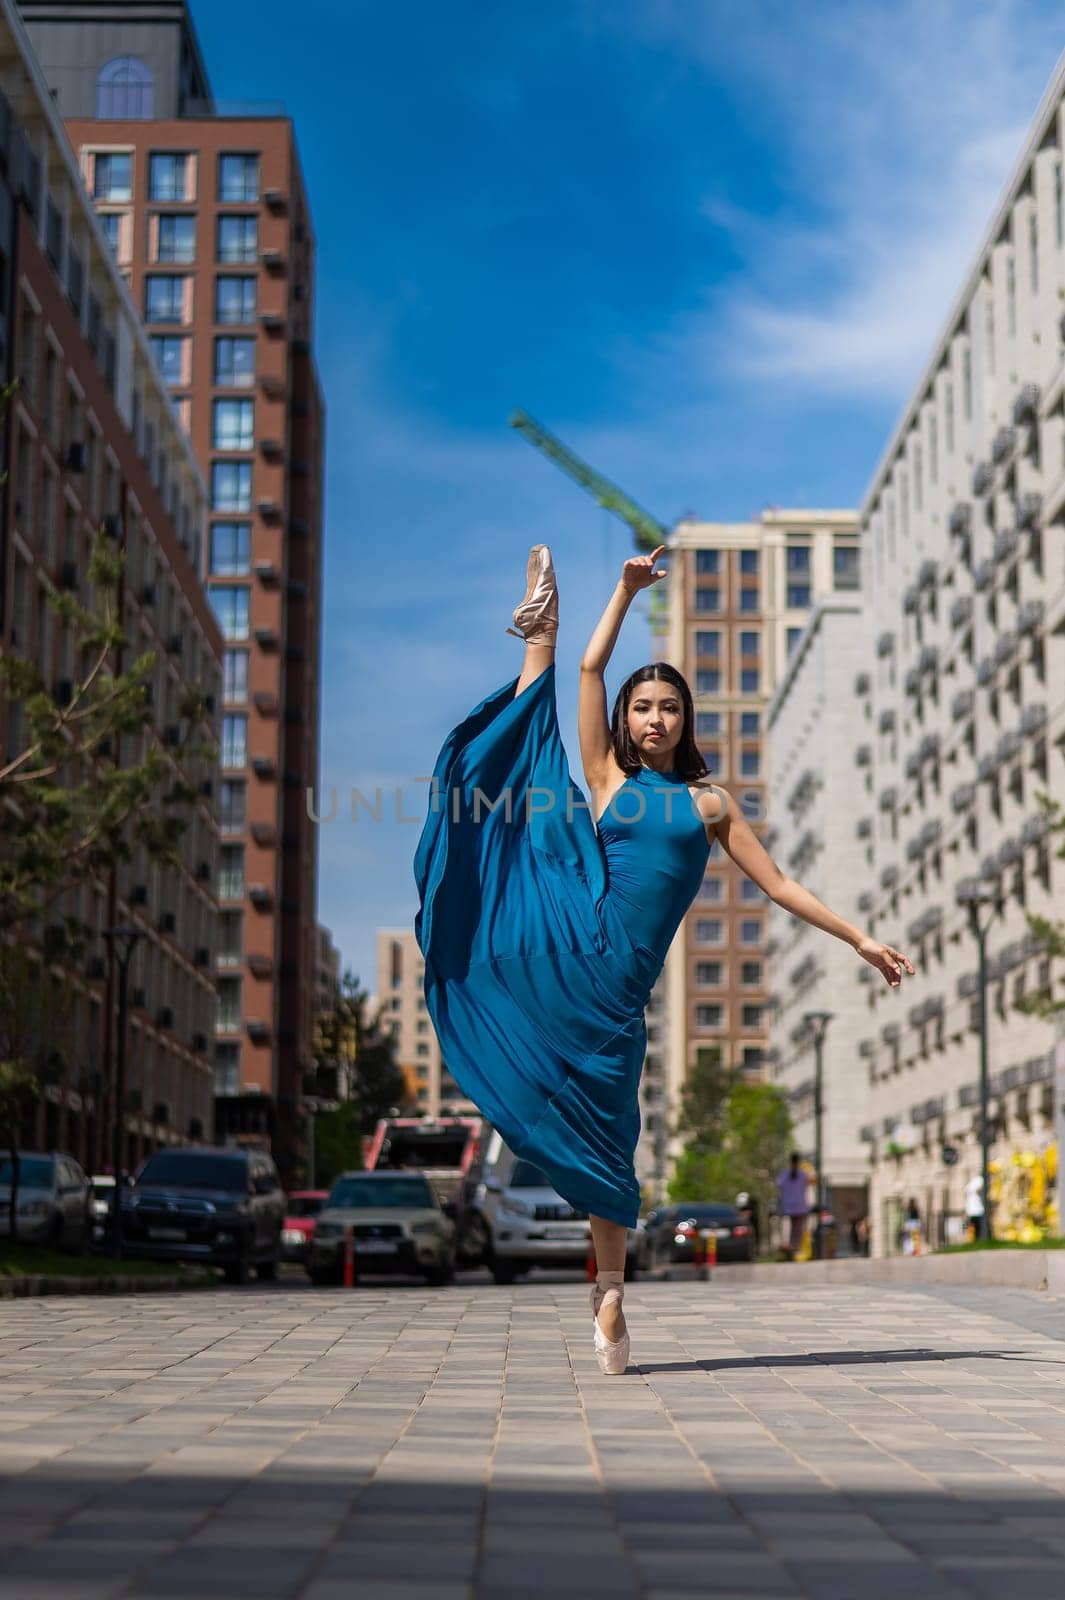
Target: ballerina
545 924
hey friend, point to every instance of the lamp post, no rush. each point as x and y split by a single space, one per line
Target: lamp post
817 1022
123 940
972 896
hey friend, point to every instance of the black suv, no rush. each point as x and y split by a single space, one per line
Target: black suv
223 1207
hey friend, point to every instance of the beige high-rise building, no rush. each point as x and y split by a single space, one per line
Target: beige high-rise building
401 1002
739 597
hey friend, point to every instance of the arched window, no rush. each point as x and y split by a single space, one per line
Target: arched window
124 89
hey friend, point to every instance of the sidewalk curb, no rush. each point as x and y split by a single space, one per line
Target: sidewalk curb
1006 1269
52 1283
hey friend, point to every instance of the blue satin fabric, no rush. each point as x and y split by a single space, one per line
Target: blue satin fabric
543 938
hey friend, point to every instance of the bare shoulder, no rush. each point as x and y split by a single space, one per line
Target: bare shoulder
713 802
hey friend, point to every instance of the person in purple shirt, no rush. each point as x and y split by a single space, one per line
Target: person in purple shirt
793 1185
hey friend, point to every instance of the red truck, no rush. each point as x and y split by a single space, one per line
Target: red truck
443 1149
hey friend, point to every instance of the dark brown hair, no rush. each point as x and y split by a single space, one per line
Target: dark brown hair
686 757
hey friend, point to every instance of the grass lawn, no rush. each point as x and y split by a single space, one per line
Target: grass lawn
1000 1244
21 1260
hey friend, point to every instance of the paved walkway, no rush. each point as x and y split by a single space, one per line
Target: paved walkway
404 1444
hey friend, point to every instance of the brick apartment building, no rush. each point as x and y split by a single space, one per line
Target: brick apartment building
92 439
206 212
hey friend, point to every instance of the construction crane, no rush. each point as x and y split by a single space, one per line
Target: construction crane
647 531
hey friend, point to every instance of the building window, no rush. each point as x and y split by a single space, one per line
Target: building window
708 597
234 301
231 485
237 240
845 569
164 298
798 596
751 804
708 930
230 602
709 1016
124 90
708 974
175 237
234 739
235 677
749 563
112 177
238 178
798 558
748 599
752 1058
231 872
749 890
707 681
750 764
794 635
232 424
229 1014
750 1016
751 972
169 350
708 560
749 680
707 724
168 175
749 644
712 890
230 549
750 724
750 932
111 223
231 936
234 362
708 642
232 804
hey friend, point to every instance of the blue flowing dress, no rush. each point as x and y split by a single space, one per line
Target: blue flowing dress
543 937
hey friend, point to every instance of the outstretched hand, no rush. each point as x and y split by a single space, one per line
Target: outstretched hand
885 959
638 572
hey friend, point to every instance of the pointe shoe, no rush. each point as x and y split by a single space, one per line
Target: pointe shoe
612 1354
537 616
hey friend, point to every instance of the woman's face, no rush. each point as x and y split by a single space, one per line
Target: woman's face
655 721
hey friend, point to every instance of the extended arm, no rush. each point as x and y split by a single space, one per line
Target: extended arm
740 842
593 722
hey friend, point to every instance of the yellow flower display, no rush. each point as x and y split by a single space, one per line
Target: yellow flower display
1024 1192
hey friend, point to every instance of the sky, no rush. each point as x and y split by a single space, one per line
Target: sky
709 243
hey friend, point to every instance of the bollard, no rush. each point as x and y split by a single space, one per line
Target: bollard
700 1241
349 1258
589 1262
711 1252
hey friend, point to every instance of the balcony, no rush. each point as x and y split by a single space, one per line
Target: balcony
928 749
1026 510
961 707
987 767
960 521
926 575
911 599
1006 647
985 671
1006 544
863 828
1008 746
885 645
862 684
983 478
1010 851
1026 404
984 576
912 768
865 901
1033 719
962 797
1035 829
928 660
912 681
886 723
888 799
930 834
961 612
1029 616
863 755
889 877
1003 445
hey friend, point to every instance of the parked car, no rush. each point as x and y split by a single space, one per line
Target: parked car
223 1207
301 1215
514 1220
399 1222
53 1200
669 1234
101 1204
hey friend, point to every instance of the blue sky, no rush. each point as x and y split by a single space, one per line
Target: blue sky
709 242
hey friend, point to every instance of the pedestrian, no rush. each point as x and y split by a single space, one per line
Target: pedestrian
974 1206
544 928
793 1185
910 1231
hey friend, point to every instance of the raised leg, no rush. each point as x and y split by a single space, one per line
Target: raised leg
538 657
610 1240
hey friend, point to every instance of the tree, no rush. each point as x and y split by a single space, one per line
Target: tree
1050 935
337 1142
703 1098
748 1147
361 1051
72 809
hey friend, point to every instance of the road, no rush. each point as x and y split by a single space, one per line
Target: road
398 1443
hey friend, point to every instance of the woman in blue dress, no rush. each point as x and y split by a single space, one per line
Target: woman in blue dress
545 923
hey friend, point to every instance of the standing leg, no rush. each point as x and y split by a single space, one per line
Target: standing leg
610 1239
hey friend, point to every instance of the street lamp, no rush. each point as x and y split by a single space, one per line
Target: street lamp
972 895
817 1022
122 939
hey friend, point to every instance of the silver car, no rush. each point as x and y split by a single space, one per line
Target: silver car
53 1200
398 1225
